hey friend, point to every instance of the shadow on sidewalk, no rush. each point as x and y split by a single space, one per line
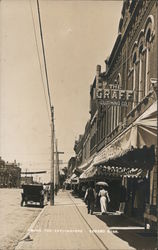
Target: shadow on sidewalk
126 229
77 196
130 231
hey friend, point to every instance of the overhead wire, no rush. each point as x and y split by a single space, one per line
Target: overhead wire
44 56
48 103
46 72
39 60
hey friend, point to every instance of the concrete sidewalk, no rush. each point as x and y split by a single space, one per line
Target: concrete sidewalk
68 226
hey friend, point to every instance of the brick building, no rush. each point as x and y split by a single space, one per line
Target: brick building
9 174
123 138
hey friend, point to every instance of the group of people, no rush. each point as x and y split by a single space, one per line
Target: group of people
91 197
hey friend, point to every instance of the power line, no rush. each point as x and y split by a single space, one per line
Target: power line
38 54
44 56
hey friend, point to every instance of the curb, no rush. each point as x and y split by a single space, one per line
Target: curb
21 242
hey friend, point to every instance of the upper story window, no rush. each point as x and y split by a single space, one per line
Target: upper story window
134 58
135 65
141 88
140 61
149 35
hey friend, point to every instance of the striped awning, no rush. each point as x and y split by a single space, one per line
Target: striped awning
114 172
134 146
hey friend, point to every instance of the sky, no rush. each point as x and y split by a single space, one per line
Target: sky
78 35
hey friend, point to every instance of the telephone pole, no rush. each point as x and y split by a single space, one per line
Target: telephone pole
51 109
52 159
57 167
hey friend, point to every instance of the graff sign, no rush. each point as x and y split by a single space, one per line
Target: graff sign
114 95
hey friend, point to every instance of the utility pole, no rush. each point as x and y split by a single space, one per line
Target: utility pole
57 167
52 159
51 110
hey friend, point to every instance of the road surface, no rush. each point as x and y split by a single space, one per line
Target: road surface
14 219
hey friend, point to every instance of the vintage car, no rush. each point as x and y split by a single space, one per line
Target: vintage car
32 193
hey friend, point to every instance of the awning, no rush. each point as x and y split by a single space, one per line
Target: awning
97 172
134 146
74 179
77 171
67 181
85 165
80 169
89 172
73 176
108 171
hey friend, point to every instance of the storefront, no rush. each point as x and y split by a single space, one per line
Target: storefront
136 148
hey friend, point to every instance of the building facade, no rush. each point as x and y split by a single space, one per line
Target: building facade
10 174
124 137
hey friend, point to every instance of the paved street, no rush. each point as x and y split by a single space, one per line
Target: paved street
68 226
14 219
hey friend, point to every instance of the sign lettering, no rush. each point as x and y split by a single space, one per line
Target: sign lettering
113 103
115 95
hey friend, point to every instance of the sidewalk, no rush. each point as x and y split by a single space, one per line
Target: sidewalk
67 226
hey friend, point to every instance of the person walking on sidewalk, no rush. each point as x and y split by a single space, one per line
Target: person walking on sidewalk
90 198
122 199
104 199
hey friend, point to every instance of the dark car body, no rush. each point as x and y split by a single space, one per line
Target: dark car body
32 193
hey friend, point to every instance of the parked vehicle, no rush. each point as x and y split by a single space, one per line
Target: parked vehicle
32 193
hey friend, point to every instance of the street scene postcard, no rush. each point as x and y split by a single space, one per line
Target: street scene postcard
78 125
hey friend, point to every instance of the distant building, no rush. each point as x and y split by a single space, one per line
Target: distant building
71 166
9 174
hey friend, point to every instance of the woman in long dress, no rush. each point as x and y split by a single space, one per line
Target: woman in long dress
104 199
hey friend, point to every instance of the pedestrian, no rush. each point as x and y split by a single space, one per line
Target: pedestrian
48 193
122 199
23 197
97 198
104 199
90 196
63 186
83 189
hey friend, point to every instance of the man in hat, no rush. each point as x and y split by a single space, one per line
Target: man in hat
90 196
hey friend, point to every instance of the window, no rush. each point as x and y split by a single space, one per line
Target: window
149 35
147 62
135 82
142 67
